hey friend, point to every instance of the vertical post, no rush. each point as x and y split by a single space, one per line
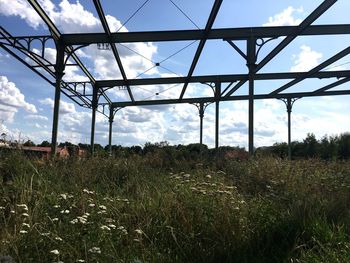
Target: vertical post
251 59
217 101
93 119
201 115
289 111
111 117
59 71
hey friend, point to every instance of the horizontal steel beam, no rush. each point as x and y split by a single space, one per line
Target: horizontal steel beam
233 98
183 35
221 78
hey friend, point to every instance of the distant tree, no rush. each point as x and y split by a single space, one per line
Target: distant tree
344 146
45 144
29 143
310 145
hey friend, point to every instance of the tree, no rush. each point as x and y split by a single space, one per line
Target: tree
45 144
29 143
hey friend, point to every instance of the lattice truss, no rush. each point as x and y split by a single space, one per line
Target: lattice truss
95 93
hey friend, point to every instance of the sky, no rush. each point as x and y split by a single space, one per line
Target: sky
26 100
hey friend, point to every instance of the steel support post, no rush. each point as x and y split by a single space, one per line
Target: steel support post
111 118
289 111
217 109
93 119
59 71
201 116
251 55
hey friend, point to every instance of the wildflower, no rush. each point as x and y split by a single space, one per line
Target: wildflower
137 240
45 234
23 232
105 228
110 220
139 231
208 176
80 260
55 252
26 225
25 215
112 226
65 211
103 207
63 196
82 219
24 206
186 175
102 212
96 250
74 221
92 205
88 192
56 206
123 230
2 208
54 219
58 239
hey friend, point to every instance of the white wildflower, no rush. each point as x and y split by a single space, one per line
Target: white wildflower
24 206
103 207
55 252
92 205
88 191
63 196
96 250
139 231
56 206
65 211
26 225
102 212
25 215
2 208
186 175
23 232
80 260
12 211
58 239
74 221
110 220
82 220
54 219
45 234
105 228
112 226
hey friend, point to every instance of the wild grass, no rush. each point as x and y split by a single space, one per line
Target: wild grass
140 210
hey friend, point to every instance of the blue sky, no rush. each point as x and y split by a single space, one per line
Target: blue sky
26 101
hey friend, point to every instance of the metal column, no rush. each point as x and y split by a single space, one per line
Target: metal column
93 121
217 108
111 118
59 68
251 59
289 110
201 116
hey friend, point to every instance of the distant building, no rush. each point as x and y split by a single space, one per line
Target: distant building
44 152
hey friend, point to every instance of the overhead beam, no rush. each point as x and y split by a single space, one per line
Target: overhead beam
233 98
316 69
298 30
243 33
222 78
210 22
104 22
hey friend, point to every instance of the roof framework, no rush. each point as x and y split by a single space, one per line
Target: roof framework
93 93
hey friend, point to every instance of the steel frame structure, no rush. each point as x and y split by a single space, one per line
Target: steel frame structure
88 93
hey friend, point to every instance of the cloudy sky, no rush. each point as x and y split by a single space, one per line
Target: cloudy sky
26 100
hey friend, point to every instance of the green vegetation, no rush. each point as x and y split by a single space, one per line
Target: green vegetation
148 209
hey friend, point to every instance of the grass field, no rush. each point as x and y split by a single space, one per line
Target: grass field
141 210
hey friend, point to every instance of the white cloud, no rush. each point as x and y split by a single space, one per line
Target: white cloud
65 107
11 99
306 59
37 117
286 17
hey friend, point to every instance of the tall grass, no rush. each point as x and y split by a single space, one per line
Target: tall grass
141 210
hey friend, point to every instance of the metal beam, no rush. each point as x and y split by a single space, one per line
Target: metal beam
222 78
217 111
210 22
232 98
104 22
306 22
332 85
93 118
110 120
243 33
321 66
